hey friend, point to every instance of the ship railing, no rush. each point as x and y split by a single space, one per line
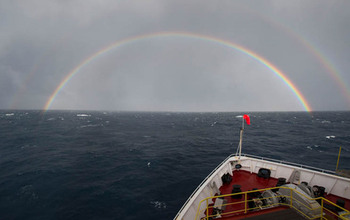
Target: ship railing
209 209
251 156
200 185
287 163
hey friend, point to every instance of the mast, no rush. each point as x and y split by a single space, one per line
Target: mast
241 139
247 119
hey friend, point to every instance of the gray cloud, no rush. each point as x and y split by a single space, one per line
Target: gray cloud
42 41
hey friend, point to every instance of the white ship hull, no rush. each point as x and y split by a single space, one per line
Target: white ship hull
293 173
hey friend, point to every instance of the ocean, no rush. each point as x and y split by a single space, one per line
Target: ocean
143 165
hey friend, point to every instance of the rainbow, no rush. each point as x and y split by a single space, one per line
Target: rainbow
218 41
321 57
310 47
331 69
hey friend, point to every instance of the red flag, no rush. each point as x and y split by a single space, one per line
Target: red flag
247 119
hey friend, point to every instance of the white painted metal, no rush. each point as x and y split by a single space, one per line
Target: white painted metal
336 185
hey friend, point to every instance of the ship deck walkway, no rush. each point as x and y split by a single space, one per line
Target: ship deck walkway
249 181
278 215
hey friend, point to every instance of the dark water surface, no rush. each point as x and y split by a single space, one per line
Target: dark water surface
133 165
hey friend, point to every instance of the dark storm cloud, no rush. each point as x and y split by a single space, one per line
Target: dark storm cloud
42 41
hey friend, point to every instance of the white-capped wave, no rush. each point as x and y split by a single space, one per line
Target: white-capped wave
83 115
158 204
10 114
91 125
27 192
330 137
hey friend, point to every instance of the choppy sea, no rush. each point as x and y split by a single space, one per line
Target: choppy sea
143 165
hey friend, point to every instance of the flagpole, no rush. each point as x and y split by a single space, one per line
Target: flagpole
240 141
247 119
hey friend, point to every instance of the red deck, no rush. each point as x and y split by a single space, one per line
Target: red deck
249 181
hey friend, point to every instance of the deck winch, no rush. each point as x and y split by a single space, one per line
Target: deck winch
300 199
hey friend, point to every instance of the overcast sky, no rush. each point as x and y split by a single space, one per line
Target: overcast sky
41 41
